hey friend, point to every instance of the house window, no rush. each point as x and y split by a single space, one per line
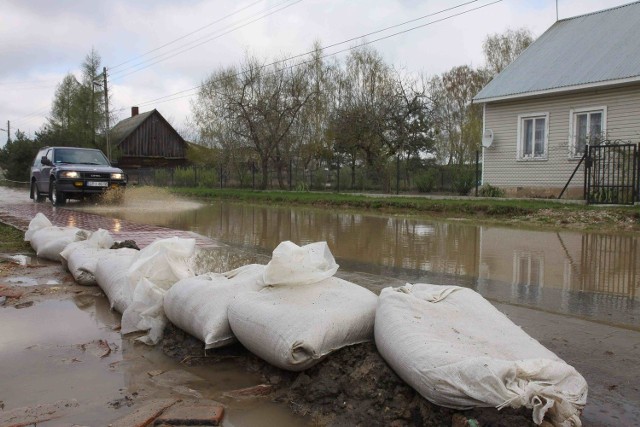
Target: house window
587 127
532 136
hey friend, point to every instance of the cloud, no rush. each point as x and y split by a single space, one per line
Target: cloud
44 40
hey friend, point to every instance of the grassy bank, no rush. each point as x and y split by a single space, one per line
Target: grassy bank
546 213
12 240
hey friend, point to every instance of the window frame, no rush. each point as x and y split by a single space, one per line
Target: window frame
573 134
520 142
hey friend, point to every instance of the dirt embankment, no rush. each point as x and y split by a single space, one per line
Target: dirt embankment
352 386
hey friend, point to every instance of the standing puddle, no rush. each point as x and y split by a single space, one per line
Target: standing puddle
67 350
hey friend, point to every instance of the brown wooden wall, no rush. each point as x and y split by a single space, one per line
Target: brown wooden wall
153 138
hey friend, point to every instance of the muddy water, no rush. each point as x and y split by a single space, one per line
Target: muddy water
588 275
52 351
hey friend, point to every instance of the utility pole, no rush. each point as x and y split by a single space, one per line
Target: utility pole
106 112
8 131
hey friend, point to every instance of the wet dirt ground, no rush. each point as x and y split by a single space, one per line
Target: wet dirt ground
61 351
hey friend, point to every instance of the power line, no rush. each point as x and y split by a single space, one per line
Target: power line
200 41
179 95
186 35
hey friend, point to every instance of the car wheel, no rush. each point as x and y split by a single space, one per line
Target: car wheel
35 193
57 197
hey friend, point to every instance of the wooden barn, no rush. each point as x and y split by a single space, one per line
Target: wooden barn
147 140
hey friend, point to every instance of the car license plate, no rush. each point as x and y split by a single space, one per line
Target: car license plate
97 183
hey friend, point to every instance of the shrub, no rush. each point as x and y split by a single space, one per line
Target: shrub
426 181
488 190
463 181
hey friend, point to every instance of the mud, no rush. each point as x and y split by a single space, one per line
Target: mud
353 386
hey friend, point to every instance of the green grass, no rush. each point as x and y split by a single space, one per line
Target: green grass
12 240
465 207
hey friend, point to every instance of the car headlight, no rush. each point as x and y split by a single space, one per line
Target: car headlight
69 174
117 176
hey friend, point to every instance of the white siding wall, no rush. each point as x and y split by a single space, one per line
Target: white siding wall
500 165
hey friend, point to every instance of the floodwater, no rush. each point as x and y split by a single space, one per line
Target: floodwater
585 275
577 293
54 351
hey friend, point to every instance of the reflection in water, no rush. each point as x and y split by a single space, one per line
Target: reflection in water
586 274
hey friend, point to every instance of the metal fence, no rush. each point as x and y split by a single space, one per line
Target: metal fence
394 178
611 174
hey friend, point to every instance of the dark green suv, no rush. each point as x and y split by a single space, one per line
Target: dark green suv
64 173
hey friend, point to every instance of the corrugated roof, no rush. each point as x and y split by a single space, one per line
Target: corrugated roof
589 49
124 128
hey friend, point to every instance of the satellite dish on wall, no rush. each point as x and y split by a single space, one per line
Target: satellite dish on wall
487 138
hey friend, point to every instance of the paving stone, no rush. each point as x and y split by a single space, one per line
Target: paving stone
19 216
145 415
197 413
10 292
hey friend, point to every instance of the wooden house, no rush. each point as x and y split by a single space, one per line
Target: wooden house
147 140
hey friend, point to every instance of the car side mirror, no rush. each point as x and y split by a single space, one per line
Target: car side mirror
45 161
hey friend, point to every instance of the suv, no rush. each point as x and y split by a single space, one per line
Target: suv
72 173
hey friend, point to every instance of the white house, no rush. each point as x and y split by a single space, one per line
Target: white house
577 84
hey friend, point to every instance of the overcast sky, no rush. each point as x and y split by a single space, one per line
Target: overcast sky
43 40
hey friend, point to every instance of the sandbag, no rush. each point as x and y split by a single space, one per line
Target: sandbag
156 268
198 305
81 258
111 274
300 265
294 326
38 222
48 240
457 350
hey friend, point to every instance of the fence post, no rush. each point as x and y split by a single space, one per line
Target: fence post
290 174
477 169
398 173
587 171
338 178
220 176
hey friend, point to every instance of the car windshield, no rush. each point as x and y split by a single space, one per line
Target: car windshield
83 157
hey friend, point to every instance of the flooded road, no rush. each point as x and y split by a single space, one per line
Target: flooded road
587 275
574 292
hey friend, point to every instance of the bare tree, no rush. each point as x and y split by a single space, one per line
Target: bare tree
257 104
458 121
501 49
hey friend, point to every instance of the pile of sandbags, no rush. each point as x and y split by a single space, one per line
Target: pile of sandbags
48 240
457 350
134 281
303 313
447 342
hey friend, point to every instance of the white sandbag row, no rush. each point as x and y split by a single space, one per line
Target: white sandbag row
457 350
447 342
134 281
48 240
